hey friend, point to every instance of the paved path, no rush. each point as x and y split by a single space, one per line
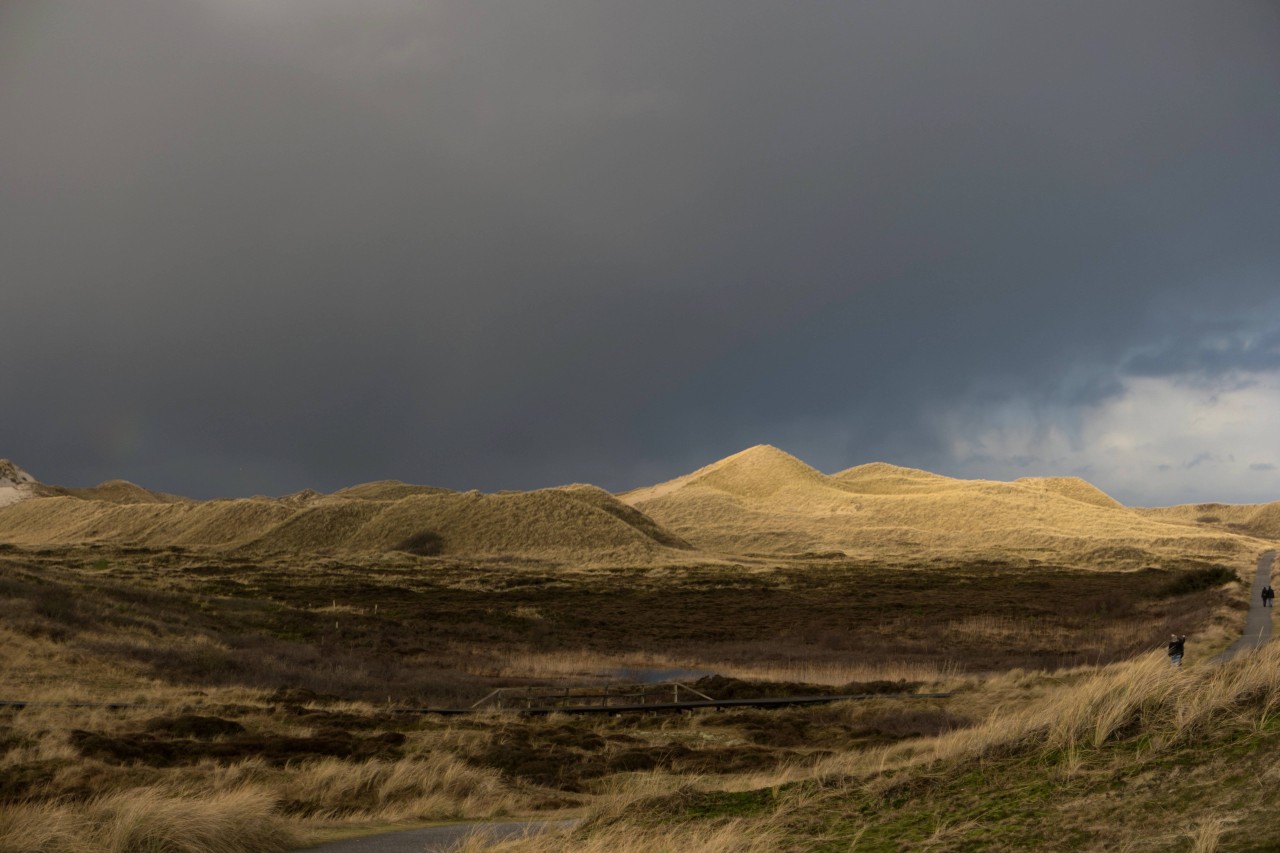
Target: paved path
437 839
1257 630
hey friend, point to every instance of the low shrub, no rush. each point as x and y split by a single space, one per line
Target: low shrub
1198 580
424 544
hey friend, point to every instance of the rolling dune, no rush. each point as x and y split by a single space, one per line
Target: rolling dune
579 524
765 501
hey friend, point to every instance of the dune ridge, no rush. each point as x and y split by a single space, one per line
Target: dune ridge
576 523
883 511
759 503
1261 520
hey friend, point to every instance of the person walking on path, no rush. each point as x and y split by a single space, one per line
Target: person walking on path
1268 595
1176 645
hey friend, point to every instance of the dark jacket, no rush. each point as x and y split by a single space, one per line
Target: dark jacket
1175 646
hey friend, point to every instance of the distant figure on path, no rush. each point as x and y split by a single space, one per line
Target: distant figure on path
1176 645
1268 595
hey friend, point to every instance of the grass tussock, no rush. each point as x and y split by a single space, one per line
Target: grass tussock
148 820
436 786
720 837
1087 760
1166 706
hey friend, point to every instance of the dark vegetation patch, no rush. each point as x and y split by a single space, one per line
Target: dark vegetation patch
11 740
301 696
568 759
154 749
357 722
1198 580
424 544
397 629
835 727
18 782
723 687
193 726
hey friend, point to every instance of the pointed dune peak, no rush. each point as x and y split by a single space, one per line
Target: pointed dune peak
763 458
15 484
758 454
757 472
12 475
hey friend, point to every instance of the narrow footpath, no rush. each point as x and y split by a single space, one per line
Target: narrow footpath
1257 629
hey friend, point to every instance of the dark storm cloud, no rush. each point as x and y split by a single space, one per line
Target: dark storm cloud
263 246
1221 349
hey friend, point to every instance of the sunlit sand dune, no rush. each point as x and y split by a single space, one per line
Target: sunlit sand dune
1253 519
1072 487
760 502
765 501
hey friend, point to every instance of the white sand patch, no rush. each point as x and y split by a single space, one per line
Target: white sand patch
13 494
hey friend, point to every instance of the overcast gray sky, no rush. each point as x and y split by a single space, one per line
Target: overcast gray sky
252 246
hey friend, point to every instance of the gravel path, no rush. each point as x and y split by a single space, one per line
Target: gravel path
437 839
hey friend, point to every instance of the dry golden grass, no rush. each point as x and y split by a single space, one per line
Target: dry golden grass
1085 709
147 820
1265 521
720 837
436 786
1063 738
1072 487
